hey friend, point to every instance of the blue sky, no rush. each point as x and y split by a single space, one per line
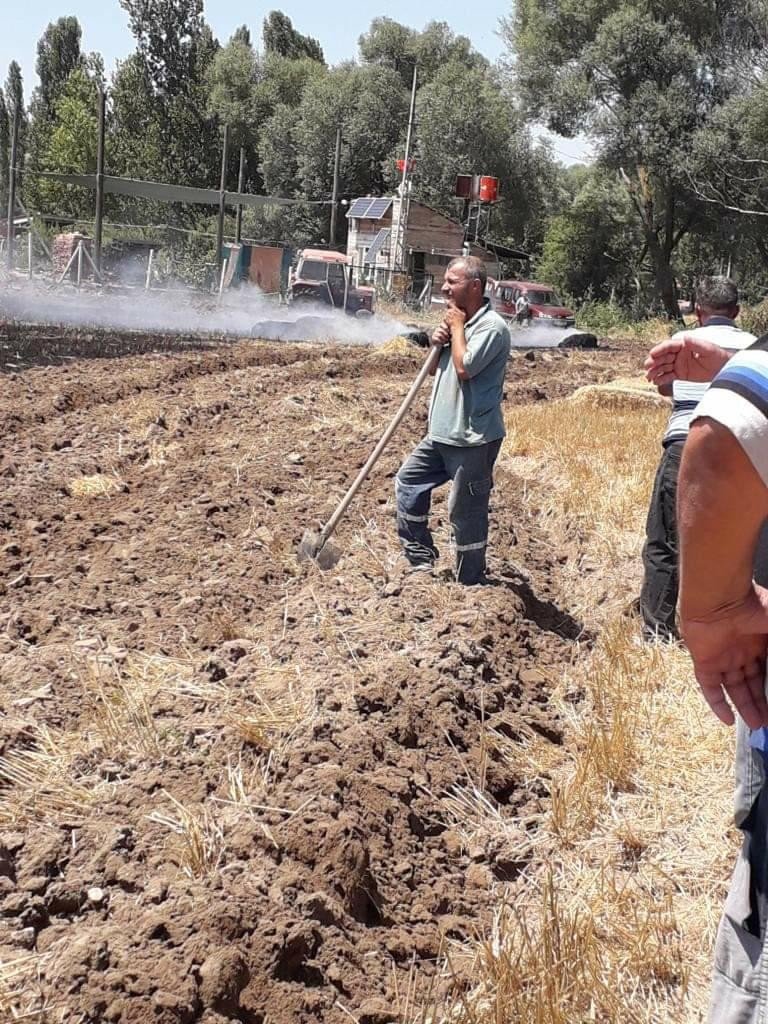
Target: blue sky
105 28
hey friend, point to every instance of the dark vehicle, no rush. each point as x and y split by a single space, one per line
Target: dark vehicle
543 303
325 277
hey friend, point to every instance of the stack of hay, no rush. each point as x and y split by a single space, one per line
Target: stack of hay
622 393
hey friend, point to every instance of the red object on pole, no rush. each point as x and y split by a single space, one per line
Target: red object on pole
463 188
489 189
401 165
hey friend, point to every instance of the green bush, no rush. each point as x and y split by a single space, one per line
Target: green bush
607 320
602 318
755 318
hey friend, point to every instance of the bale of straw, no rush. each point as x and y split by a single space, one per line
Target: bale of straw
622 393
97 486
397 346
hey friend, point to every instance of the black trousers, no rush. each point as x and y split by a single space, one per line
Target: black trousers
658 596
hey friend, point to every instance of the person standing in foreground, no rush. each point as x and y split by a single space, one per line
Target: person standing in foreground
717 306
465 428
722 505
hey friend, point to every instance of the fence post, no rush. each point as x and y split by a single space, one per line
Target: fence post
150 261
335 195
240 187
98 226
222 198
9 236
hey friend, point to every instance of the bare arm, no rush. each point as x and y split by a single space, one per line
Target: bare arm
722 503
687 358
456 318
440 337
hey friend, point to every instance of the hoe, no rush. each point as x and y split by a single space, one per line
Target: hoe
315 546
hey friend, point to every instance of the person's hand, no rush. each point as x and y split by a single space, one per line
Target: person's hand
442 334
686 358
455 318
729 656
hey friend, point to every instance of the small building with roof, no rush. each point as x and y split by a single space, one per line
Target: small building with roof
430 241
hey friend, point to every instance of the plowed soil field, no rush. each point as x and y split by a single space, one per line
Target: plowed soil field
234 787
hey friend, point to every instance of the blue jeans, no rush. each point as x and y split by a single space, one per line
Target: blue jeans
430 465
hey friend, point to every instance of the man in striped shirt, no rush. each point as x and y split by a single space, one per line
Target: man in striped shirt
717 306
722 506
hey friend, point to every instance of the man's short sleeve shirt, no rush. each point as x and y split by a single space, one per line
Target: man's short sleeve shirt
687 395
468 412
738 399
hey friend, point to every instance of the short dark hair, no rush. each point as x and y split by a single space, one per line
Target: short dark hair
474 268
717 293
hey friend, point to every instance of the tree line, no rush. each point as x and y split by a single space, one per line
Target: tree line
672 96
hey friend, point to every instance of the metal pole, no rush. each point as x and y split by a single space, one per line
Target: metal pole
12 188
335 195
222 277
222 198
98 226
150 261
79 263
402 222
240 187
29 254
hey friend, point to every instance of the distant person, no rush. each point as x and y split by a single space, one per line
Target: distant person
716 309
465 428
722 508
522 309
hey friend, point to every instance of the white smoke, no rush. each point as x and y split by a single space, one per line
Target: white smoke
241 313
541 335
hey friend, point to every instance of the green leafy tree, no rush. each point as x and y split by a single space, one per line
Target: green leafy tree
177 49
71 145
233 79
14 102
594 247
59 53
281 37
466 125
399 47
283 80
370 106
5 145
640 79
242 34
135 140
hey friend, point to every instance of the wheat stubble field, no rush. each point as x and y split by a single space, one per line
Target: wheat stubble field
235 788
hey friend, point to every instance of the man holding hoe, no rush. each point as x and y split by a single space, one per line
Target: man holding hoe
465 428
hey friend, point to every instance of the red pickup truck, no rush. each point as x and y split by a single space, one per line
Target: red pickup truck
543 303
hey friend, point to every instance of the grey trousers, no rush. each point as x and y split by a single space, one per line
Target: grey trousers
740 976
430 465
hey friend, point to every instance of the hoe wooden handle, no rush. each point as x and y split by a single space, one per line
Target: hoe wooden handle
430 365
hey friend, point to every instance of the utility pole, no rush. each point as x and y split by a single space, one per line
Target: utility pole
240 187
9 237
398 249
335 196
222 198
98 227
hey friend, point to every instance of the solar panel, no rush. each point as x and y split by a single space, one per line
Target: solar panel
377 245
378 208
357 209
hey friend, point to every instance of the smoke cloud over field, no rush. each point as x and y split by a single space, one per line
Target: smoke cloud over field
245 312
547 336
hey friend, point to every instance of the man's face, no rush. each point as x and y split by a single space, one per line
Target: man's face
458 288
